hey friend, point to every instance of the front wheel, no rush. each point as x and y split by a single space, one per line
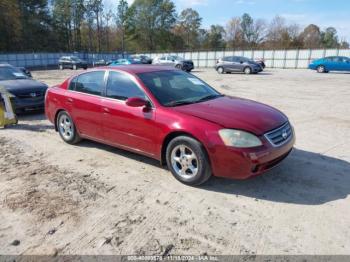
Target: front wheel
188 161
247 70
66 128
321 69
220 70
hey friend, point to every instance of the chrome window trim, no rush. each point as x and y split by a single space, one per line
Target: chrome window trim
277 129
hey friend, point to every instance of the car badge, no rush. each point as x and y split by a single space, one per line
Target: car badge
284 134
32 94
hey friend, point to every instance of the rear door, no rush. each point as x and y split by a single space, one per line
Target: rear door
84 103
129 127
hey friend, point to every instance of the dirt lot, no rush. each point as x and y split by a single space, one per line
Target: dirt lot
94 199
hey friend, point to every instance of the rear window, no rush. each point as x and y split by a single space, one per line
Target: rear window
89 83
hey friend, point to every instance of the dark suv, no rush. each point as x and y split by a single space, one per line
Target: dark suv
230 64
71 62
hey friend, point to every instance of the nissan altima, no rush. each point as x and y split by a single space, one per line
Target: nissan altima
174 117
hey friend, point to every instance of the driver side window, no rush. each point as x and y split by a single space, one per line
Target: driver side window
121 87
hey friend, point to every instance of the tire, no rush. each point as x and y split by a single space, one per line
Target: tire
220 70
66 128
60 67
75 67
247 70
188 161
321 69
178 67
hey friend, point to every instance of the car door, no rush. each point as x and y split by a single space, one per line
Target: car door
163 60
84 103
236 64
347 64
125 126
230 64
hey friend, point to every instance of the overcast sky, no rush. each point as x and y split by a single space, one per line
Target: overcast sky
321 12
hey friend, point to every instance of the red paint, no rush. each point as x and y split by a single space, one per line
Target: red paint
143 129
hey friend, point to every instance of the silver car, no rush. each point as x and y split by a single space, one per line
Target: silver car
174 60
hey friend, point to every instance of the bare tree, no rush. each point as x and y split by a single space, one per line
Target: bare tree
234 34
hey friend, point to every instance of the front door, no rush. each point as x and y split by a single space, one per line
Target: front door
125 126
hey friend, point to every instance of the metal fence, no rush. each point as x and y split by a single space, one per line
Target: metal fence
273 58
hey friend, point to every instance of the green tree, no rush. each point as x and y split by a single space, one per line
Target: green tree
215 37
122 20
188 26
151 22
10 25
330 38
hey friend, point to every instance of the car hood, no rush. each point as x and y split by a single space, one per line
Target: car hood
23 85
237 113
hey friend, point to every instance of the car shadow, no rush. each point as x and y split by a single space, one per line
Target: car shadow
32 116
304 178
121 152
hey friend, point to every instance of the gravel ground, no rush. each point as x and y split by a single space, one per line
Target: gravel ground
95 199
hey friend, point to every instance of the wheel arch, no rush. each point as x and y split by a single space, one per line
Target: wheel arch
170 137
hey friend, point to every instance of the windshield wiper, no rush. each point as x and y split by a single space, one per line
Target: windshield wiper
179 103
206 98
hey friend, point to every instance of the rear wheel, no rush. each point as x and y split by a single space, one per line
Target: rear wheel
321 69
188 161
66 128
220 70
247 70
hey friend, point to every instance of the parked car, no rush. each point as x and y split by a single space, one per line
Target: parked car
230 64
171 116
124 61
331 63
176 61
261 62
100 62
23 69
72 62
29 93
143 59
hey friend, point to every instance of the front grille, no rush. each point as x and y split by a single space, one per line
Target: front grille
281 135
36 94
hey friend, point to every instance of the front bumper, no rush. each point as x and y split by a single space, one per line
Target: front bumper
28 104
243 163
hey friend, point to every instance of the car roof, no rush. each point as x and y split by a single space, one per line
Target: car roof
136 68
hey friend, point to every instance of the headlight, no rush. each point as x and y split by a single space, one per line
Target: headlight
238 138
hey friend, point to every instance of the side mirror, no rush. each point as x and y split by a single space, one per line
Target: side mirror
136 102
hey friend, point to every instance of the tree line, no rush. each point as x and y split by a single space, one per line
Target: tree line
145 25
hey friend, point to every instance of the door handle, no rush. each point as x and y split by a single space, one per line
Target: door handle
70 100
106 110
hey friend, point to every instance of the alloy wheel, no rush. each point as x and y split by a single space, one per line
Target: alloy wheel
66 128
184 162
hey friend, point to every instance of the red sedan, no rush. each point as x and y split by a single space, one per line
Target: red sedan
171 116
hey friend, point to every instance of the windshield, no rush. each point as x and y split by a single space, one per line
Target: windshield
74 58
175 88
177 58
10 73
